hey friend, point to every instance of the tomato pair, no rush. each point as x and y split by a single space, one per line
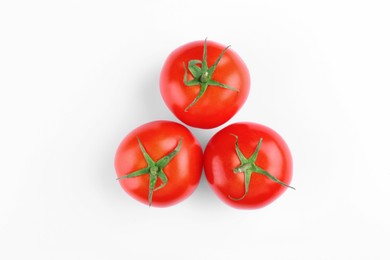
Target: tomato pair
246 164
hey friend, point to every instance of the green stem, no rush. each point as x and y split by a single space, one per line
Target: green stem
248 166
154 169
202 76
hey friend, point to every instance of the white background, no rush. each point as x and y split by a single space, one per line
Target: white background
77 76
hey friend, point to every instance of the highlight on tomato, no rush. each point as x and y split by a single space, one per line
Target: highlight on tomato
204 83
248 165
159 163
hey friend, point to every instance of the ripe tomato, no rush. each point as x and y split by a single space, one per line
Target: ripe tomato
247 165
159 163
204 83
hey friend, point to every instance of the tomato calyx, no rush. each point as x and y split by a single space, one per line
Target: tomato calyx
203 75
248 166
154 169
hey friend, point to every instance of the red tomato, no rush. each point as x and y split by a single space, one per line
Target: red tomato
247 165
204 83
159 163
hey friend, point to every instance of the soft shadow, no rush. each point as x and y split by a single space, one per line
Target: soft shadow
203 198
153 106
144 104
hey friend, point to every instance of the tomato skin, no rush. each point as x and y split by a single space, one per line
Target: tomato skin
159 138
217 105
220 158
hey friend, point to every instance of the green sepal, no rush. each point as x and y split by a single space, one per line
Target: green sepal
203 88
248 166
218 84
154 169
195 70
202 76
167 158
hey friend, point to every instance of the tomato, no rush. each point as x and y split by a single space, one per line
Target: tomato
159 163
248 165
204 83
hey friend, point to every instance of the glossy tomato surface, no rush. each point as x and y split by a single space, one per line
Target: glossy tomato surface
218 104
225 173
160 139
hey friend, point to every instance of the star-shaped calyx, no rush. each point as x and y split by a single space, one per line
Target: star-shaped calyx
154 169
202 76
248 166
